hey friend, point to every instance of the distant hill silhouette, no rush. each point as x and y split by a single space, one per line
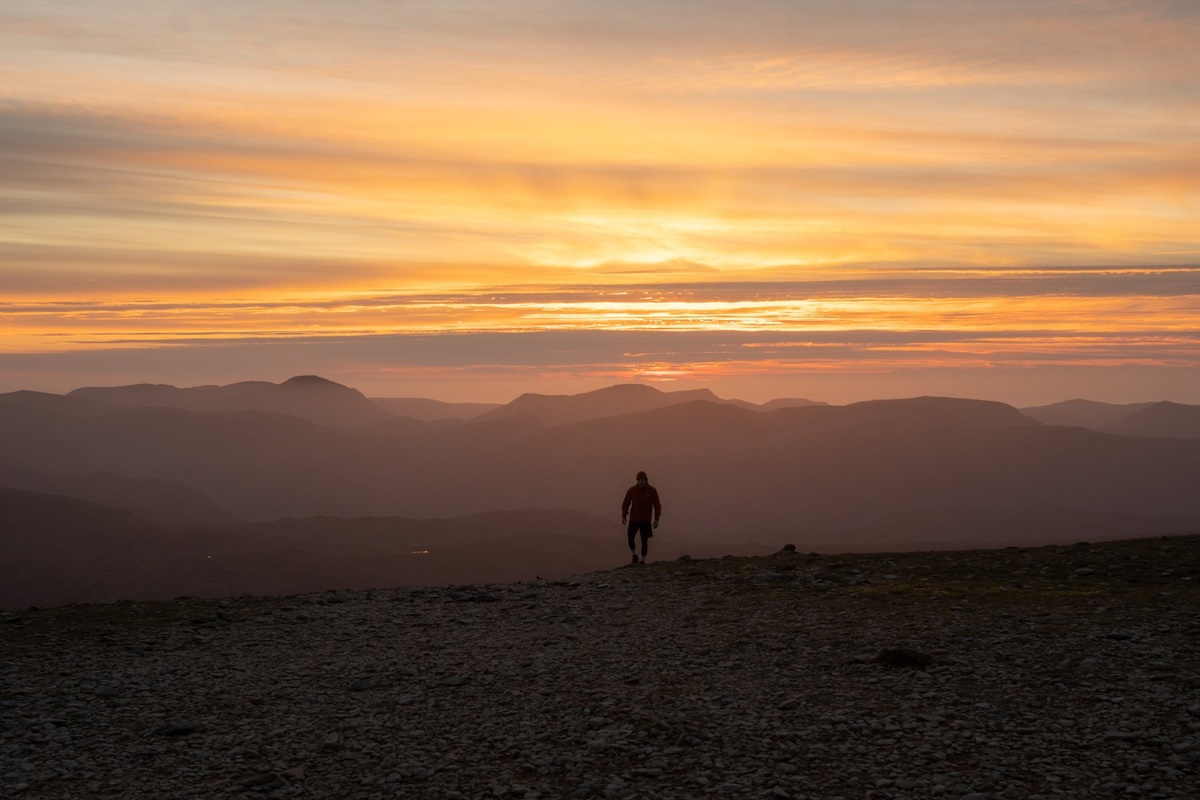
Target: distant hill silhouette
46 404
306 396
789 402
44 525
1161 420
612 401
933 411
156 500
1083 413
429 410
723 470
57 550
267 464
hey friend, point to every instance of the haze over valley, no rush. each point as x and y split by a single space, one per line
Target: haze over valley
151 491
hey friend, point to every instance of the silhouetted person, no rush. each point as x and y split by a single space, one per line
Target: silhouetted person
641 506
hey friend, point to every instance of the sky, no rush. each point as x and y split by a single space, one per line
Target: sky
469 200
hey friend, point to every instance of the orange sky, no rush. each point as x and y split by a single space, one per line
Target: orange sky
316 187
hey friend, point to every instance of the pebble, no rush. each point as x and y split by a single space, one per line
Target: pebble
694 678
182 728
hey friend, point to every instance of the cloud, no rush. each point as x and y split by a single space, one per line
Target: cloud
841 366
299 171
1131 306
157 196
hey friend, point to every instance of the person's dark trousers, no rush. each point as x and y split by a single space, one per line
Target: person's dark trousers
643 527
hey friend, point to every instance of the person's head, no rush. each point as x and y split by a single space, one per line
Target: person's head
642 479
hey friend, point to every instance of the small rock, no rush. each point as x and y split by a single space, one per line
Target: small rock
106 691
788 548
267 780
455 680
1090 664
903 657
182 728
363 684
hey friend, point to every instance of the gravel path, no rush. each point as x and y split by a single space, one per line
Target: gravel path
1056 672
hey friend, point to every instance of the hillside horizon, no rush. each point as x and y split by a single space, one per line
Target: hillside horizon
1097 411
259 462
327 402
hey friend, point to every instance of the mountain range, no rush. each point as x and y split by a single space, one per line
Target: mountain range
889 474
305 396
1162 419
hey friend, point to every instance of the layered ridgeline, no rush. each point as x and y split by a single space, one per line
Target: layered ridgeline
722 468
57 550
1162 419
884 475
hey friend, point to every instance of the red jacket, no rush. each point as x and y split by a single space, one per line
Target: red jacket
639 502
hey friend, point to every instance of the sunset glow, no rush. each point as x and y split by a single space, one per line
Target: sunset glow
404 197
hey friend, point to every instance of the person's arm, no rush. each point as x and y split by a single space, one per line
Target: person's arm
625 504
657 508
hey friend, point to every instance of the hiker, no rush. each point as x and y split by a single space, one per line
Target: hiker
640 506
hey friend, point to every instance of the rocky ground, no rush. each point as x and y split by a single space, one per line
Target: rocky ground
1053 672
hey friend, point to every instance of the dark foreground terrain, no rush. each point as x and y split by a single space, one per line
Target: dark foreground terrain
1056 672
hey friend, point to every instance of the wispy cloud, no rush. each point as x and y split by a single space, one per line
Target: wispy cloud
202 172
1102 302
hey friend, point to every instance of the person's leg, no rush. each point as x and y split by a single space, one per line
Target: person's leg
633 528
645 539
